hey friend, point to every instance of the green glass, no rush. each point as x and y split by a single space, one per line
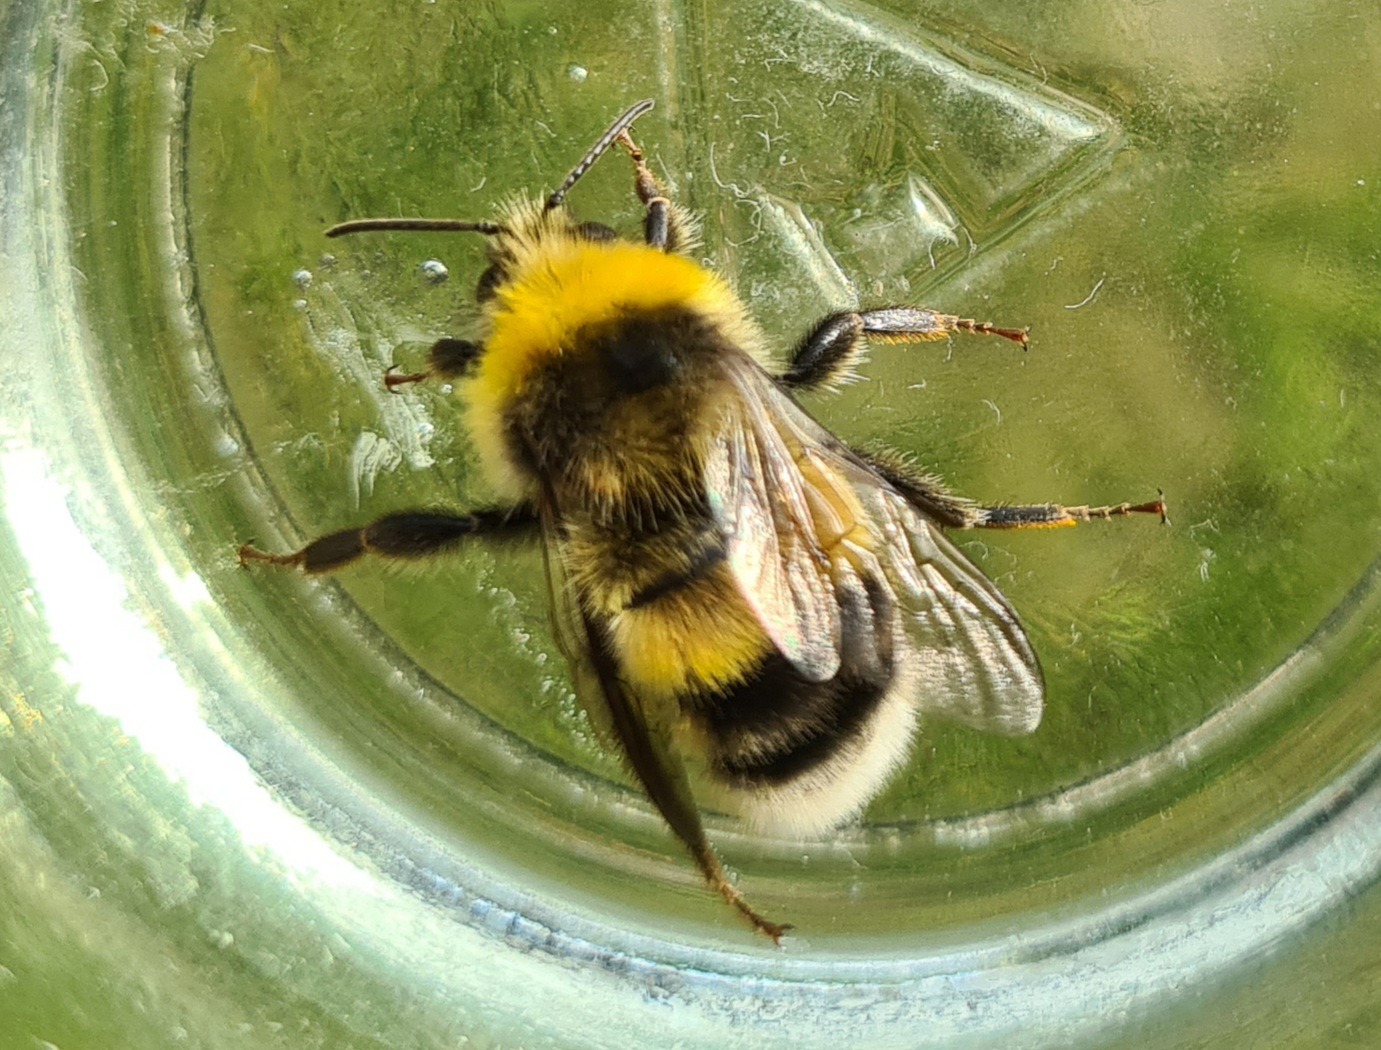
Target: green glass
240 808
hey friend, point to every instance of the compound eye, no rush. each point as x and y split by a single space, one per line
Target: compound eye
595 231
488 284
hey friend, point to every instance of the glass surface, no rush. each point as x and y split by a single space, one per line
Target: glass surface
244 809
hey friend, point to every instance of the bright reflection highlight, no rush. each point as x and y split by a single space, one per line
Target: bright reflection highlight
116 663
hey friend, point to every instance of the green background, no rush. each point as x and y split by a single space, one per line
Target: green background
308 805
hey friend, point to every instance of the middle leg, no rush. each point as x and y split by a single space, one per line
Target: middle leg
827 356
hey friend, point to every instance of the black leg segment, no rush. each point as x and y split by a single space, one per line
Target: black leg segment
665 225
826 357
409 535
447 359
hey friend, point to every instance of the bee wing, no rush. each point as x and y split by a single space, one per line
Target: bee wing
762 504
643 736
973 662
648 745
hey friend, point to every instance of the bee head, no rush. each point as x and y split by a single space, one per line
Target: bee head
597 344
529 231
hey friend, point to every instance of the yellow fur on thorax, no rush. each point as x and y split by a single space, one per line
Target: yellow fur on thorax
559 287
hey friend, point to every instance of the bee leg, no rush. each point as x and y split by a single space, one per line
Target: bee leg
665 226
1053 515
408 535
922 490
719 882
827 356
447 359
926 493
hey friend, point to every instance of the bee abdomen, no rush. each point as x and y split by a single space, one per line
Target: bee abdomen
703 559
773 726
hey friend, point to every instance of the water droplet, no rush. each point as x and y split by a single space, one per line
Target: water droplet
434 271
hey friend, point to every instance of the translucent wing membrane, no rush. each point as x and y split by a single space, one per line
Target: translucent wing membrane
642 735
761 503
974 663
807 521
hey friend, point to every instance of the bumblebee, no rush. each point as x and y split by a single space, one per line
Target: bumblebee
741 595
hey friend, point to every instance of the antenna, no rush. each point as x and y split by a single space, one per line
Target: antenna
489 229
596 151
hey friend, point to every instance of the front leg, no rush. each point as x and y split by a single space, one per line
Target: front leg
666 225
409 535
826 357
447 359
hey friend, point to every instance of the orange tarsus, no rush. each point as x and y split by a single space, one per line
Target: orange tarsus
1016 335
250 553
719 882
392 381
1158 506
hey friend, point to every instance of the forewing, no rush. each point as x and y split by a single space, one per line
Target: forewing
643 737
762 504
972 660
